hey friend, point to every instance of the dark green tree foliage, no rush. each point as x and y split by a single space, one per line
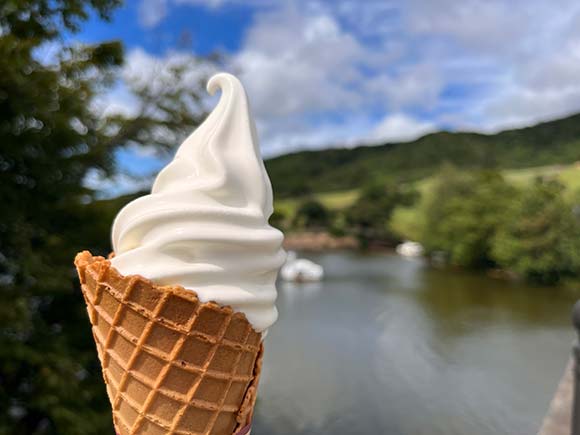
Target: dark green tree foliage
48 139
50 381
311 214
541 237
463 214
278 219
369 216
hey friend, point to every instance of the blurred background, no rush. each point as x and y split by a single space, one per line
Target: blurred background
425 154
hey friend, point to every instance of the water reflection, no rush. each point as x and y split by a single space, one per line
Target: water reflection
388 345
298 292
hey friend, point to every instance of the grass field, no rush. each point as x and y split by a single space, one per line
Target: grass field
567 174
406 221
331 200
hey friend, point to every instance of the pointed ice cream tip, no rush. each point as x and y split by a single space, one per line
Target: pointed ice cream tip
220 81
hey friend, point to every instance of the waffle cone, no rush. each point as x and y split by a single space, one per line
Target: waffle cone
172 365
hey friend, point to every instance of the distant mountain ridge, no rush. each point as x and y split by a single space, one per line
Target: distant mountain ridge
547 143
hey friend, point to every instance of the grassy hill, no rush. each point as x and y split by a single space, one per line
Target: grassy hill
569 175
406 222
548 143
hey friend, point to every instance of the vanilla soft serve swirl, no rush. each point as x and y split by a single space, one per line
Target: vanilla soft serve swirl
205 224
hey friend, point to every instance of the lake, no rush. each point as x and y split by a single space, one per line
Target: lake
388 345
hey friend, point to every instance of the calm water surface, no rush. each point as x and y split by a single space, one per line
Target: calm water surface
387 345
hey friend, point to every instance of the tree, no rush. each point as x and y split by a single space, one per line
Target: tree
541 237
278 219
462 214
311 214
369 216
50 139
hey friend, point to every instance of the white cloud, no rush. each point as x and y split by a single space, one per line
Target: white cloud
280 136
414 86
300 66
484 25
527 63
293 63
399 127
318 72
520 106
152 12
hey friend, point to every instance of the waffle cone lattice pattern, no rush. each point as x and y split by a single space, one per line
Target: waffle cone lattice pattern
172 365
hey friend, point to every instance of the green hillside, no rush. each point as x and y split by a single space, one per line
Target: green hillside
548 143
568 175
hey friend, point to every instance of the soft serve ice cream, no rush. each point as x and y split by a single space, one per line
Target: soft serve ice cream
205 224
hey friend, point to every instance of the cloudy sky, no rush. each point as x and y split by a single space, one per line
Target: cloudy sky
344 72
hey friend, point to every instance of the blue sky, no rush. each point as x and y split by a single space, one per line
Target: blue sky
209 28
325 73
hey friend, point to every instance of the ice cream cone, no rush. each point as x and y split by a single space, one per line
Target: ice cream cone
172 364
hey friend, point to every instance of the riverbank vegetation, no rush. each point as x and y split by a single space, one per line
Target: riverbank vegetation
522 221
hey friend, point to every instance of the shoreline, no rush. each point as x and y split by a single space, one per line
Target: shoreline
318 241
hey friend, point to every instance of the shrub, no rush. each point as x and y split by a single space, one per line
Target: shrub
311 214
463 213
369 216
541 237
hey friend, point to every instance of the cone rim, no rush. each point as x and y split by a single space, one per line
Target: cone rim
85 258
